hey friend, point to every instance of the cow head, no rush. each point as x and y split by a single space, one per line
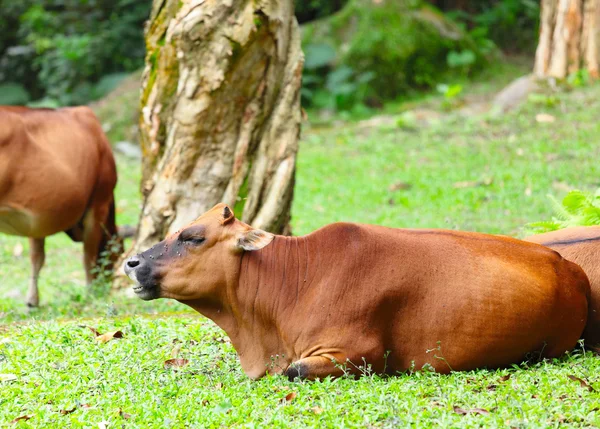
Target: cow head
196 261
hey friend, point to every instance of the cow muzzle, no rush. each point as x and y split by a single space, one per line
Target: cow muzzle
141 272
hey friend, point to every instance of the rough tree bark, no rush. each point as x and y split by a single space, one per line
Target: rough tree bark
220 113
569 38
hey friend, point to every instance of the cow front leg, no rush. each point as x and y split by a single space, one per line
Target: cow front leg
37 256
314 367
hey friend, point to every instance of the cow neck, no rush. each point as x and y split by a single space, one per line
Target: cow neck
270 286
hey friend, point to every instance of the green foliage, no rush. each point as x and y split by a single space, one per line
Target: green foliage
60 49
309 10
72 380
452 95
578 208
12 93
380 50
510 24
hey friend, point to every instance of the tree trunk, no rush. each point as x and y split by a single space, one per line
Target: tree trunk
220 113
569 38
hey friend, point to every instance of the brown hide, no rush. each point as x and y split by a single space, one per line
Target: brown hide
57 173
394 299
581 245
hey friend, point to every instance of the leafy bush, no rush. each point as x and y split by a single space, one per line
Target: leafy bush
309 10
578 208
510 24
60 49
372 51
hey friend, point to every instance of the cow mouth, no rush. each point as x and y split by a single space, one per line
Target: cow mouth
143 291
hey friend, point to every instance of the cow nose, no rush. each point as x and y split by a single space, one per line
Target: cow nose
132 263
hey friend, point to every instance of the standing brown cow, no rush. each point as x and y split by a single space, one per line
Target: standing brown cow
354 294
57 173
580 244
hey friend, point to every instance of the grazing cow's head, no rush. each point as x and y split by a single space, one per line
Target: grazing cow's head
196 261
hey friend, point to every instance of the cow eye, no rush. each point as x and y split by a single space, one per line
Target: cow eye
193 240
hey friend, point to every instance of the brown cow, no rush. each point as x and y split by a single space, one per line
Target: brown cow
580 244
57 173
355 294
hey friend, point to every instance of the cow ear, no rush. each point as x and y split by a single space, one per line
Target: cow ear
227 215
254 239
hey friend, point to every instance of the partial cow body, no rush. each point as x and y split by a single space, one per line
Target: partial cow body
57 173
580 244
394 299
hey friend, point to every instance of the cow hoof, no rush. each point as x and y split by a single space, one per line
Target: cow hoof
296 370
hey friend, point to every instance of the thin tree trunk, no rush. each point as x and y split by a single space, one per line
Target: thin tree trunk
568 38
220 113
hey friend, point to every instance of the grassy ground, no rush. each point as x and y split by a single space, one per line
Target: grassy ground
479 173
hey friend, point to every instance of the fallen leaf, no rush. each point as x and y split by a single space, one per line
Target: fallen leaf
205 402
492 387
473 183
399 186
463 412
7 377
18 250
505 378
124 415
64 412
86 406
279 388
317 410
175 363
94 330
23 417
219 386
175 350
104 338
581 382
289 397
544 118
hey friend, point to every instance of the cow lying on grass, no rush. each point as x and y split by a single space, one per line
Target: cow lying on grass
580 245
350 295
57 173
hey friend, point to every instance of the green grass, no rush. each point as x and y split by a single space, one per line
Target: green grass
474 173
65 378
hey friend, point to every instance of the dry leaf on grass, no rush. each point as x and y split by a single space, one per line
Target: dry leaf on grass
94 330
175 363
175 351
23 417
463 412
505 378
64 412
473 183
399 186
544 118
124 415
317 410
104 338
289 397
583 383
